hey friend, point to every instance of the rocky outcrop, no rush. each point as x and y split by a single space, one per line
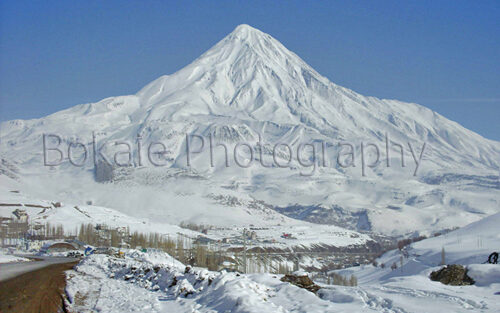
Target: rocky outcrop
455 275
301 281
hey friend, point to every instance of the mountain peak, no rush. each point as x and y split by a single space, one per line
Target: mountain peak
248 71
248 34
245 30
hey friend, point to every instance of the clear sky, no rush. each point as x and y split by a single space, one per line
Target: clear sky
442 54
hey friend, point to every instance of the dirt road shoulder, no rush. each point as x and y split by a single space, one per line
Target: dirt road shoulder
37 291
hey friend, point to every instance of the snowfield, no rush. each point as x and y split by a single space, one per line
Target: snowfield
72 215
471 244
106 284
409 289
155 282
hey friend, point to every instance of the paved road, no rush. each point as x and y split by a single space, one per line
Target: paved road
9 270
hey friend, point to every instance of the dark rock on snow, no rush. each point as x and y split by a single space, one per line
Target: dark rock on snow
301 281
455 275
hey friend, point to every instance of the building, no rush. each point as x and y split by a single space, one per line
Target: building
202 240
252 235
13 230
34 245
21 215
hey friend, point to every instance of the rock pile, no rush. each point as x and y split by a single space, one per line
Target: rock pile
301 281
455 275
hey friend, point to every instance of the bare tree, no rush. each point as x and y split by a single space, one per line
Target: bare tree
353 281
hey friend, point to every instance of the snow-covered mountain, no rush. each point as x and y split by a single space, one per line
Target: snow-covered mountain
250 89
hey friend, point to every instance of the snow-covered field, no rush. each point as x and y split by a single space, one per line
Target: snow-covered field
104 284
409 289
72 215
155 282
471 244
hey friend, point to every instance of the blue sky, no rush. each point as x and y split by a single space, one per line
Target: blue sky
442 54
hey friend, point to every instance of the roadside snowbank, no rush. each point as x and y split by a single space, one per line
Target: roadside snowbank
5 257
155 282
158 284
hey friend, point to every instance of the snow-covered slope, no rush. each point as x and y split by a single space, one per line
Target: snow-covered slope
157 283
267 224
409 289
469 245
250 88
138 284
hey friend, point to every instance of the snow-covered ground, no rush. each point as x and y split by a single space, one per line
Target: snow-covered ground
6 257
155 282
104 284
73 214
409 289
471 244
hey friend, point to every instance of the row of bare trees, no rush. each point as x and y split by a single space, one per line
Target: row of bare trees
184 249
12 231
181 248
337 279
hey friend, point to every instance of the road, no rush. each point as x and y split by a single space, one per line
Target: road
10 270
36 286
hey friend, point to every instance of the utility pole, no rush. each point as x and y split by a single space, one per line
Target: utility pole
244 251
